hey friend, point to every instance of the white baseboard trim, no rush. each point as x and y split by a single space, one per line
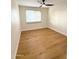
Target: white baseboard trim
57 31
17 44
46 27
33 29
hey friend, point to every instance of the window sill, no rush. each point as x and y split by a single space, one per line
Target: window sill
33 22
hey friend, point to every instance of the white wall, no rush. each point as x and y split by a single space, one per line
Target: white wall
25 26
57 16
15 29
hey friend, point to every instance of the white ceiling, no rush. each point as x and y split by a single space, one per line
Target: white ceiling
36 3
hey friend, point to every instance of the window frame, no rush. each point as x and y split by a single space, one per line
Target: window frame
35 21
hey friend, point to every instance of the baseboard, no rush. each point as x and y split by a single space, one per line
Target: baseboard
17 44
46 27
57 31
33 29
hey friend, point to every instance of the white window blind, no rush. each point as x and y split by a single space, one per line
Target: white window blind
33 16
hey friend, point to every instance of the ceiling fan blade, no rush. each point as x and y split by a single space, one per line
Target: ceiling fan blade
43 1
49 4
40 6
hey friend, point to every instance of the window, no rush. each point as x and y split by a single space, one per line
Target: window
33 16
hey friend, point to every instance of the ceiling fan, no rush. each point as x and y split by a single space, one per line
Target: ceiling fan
45 4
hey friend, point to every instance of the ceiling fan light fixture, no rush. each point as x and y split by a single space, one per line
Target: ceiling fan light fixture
43 5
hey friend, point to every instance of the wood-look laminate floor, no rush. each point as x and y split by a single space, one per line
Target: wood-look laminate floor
42 44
